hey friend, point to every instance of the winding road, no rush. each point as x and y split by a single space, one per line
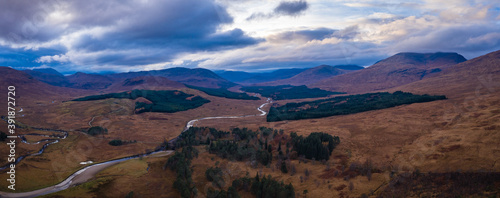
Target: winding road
87 173
79 177
263 113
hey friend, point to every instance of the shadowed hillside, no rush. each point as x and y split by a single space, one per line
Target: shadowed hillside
81 80
315 74
253 78
472 78
196 77
49 76
146 82
397 70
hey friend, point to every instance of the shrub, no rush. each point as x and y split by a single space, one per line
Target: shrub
115 142
97 130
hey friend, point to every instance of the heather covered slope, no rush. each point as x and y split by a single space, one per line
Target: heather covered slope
167 78
313 75
473 78
49 76
29 89
460 133
196 77
81 80
31 94
397 70
145 82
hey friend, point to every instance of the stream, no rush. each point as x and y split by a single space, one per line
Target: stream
54 139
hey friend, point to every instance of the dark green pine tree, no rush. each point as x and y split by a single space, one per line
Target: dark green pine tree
283 167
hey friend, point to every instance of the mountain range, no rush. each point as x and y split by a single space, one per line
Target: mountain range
398 70
247 78
459 133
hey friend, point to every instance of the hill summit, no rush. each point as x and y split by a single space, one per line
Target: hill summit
397 70
315 74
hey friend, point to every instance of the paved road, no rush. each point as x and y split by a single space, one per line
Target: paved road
76 178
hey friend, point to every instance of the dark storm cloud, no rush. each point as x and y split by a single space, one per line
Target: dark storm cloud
227 40
291 8
285 8
23 21
119 32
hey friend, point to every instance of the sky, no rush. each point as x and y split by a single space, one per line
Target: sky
97 36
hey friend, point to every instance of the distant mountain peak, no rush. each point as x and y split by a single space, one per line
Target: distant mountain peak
254 78
399 69
314 74
197 76
48 75
46 71
431 59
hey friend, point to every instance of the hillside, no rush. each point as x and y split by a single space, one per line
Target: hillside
196 77
31 92
315 74
158 78
253 78
472 78
235 76
397 70
81 80
49 76
457 134
349 67
145 82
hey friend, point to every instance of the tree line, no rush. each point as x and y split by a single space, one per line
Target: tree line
313 147
283 92
261 146
96 130
180 162
344 105
260 187
161 101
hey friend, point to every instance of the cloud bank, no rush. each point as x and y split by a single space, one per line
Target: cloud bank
132 35
285 8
